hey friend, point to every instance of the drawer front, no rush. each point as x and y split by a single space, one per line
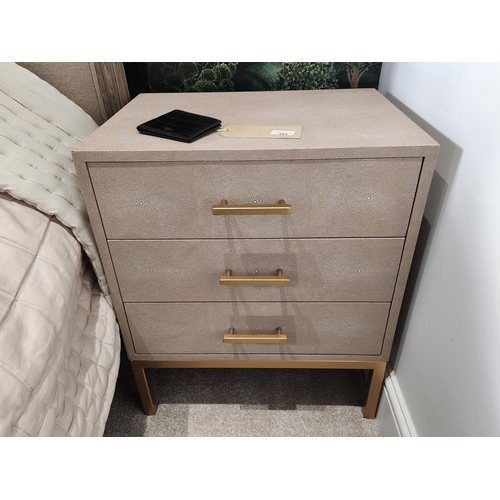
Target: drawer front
311 328
337 198
353 269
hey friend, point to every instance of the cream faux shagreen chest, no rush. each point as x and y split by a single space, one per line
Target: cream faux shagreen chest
259 253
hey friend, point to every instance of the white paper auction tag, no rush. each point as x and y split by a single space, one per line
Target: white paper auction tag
262 131
283 132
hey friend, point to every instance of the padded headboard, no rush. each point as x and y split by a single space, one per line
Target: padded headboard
99 88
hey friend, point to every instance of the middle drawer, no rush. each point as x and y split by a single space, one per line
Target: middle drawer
351 269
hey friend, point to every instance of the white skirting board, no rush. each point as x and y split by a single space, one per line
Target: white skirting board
393 417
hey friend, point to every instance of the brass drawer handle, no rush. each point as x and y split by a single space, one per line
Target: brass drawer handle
278 280
248 338
281 208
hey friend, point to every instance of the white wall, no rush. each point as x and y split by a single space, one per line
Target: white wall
447 363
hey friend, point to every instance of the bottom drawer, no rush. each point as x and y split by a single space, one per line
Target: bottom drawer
346 328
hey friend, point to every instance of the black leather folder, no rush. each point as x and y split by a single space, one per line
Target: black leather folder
179 125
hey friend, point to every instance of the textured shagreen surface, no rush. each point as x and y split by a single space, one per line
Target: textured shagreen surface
332 199
336 124
355 328
351 269
359 159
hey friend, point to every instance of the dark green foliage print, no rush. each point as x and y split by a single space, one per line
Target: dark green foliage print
191 76
249 76
306 76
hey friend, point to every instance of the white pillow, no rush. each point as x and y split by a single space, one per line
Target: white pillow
39 127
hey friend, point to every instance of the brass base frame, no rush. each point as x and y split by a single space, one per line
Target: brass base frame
150 405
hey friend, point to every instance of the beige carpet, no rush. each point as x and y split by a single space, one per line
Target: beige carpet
243 403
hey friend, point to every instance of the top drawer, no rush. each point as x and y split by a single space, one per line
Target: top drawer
329 198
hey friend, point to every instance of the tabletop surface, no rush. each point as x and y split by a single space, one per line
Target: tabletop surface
337 122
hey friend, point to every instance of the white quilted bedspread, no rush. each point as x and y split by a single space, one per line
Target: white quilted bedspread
38 129
59 340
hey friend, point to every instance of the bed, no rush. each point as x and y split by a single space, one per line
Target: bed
59 338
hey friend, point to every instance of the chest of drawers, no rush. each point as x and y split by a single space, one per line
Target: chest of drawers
248 252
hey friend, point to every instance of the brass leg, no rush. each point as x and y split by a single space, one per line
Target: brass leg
377 380
149 405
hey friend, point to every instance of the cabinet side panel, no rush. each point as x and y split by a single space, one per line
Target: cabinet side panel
102 244
428 165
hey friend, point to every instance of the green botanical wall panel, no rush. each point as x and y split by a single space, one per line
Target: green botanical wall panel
232 76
